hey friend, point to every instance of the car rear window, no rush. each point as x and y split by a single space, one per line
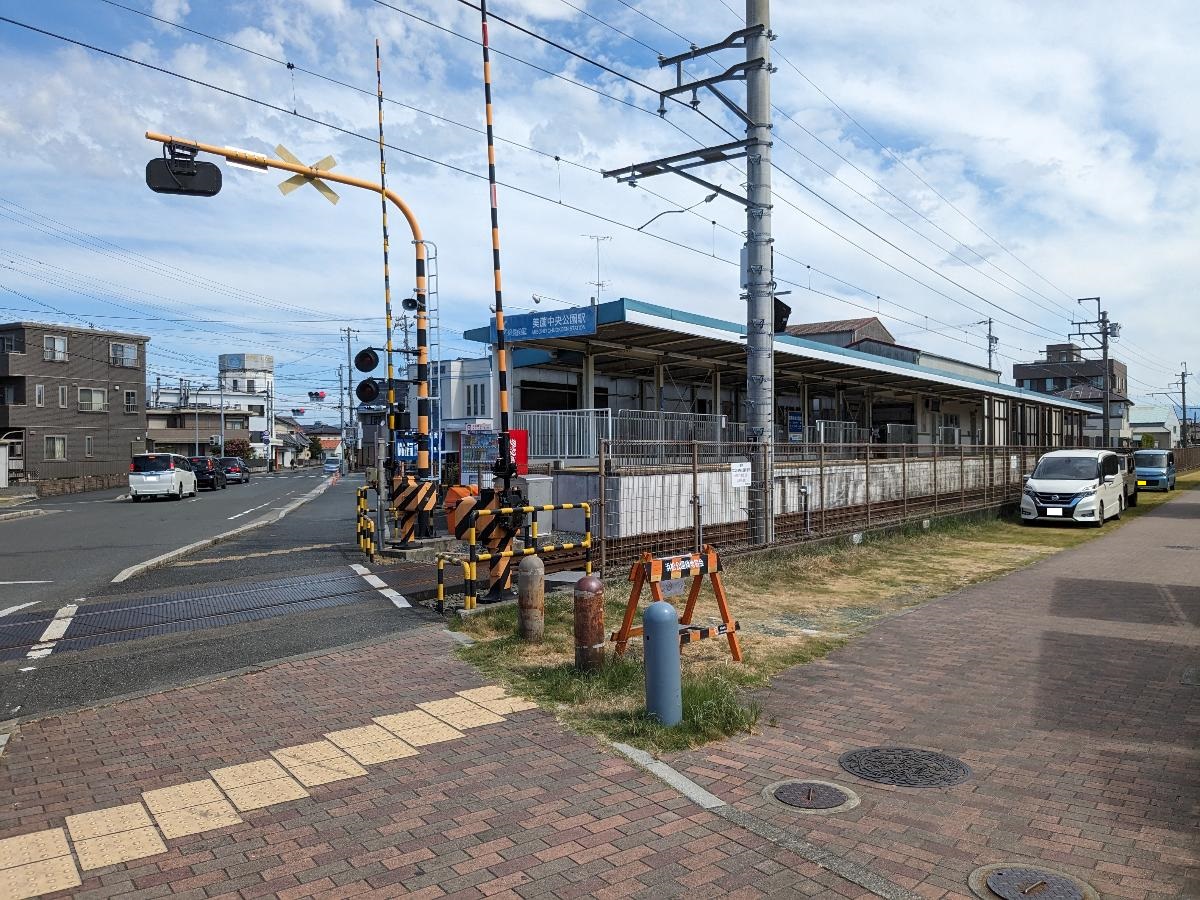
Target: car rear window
200 462
154 463
1068 468
230 461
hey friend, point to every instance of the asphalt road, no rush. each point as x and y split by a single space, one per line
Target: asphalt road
85 540
291 587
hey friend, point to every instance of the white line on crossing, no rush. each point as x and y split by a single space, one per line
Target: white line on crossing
54 631
246 512
398 600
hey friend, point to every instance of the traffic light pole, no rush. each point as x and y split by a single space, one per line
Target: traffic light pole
258 161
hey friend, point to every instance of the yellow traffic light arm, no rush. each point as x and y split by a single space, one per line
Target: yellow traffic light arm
258 161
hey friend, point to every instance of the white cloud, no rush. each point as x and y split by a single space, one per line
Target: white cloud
171 10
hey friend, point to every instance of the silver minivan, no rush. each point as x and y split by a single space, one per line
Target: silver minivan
1077 485
161 475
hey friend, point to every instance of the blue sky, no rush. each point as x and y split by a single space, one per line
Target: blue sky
1062 138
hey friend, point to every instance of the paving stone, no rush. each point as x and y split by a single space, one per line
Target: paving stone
418 728
36 878
107 821
122 846
459 713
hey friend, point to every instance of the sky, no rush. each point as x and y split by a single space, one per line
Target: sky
934 164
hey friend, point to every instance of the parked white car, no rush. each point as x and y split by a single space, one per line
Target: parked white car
161 475
1080 485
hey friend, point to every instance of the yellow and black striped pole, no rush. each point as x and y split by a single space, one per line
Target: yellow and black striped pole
504 462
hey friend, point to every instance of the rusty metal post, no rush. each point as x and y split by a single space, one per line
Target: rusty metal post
821 479
531 599
601 502
904 479
697 524
589 624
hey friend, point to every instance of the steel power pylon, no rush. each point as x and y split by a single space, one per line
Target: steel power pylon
758 272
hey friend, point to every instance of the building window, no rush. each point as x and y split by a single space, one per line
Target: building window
56 447
54 348
131 401
93 400
8 343
62 396
120 354
8 395
249 385
88 446
39 395
235 387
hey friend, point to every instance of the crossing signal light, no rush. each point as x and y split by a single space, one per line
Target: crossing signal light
183 176
366 360
372 390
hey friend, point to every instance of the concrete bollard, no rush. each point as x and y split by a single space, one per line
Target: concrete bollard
531 599
664 692
589 624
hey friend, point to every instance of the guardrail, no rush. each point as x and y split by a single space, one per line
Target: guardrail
365 525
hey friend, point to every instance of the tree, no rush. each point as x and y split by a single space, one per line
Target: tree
314 447
1147 440
238 447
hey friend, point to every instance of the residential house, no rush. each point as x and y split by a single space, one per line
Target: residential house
1160 423
72 399
1065 373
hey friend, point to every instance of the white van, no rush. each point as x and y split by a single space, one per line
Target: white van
161 475
1081 485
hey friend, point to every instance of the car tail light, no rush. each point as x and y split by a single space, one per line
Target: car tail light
132 468
171 464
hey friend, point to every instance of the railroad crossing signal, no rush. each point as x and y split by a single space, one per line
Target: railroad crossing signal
286 187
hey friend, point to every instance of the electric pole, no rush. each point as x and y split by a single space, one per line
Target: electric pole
992 342
349 396
1104 330
758 278
342 410
598 238
1183 377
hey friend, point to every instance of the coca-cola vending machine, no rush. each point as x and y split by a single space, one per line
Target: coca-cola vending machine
518 449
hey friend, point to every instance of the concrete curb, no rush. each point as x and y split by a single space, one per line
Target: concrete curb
269 519
25 514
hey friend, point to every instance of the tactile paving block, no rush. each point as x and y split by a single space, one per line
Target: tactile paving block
353 737
381 751
110 849
299 754
461 713
35 879
248 773
182 796
195 819
107 821
327 770
266 793
418 728
34 847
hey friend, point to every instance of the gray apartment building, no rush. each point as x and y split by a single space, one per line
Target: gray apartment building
73 398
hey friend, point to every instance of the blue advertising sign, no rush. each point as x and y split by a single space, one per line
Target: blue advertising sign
406 447
795 426
559 323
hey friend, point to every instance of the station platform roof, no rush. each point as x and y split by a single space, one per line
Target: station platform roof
631 337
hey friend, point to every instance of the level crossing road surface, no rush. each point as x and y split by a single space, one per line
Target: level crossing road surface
85 540
291 587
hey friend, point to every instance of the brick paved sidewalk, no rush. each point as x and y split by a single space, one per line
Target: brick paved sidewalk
1060 685
294 792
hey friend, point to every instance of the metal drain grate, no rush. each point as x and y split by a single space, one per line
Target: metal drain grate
1190 676
810 795
905 767
1033 884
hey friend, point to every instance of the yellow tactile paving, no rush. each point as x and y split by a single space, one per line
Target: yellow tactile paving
107 821
266 793
460 713
34 879
299 754
327 770
503 706
418 728
195 819
487 692
381 751
109 849
354 737
182 796
35 847
247 773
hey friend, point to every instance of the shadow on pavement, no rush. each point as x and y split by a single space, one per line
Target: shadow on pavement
1126 601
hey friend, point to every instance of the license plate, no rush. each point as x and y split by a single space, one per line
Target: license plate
1141 484
1054 511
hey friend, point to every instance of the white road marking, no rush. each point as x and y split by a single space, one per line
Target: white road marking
54 631
25 582
247 512
398 600
13 609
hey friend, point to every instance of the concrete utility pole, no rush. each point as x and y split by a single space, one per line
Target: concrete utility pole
760 285
1104 330
1183 377
349 393
758 280
342 409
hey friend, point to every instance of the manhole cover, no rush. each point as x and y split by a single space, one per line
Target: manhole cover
810 795
1191 675
905 767
1033 884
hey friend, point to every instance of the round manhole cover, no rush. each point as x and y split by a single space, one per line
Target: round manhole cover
905 767
1033 884
810 795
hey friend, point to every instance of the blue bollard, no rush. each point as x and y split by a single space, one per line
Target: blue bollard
664 694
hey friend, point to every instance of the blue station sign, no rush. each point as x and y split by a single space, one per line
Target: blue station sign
560 323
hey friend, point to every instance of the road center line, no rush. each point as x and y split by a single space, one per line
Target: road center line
13 609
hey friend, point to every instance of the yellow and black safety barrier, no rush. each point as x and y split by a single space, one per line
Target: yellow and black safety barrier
502 559
442 559
365 527
412 497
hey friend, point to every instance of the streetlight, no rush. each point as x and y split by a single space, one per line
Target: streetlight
709 199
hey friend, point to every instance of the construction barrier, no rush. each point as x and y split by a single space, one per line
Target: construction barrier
365 527
500 561
413 503
652 571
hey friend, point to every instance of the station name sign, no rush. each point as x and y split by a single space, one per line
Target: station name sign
560 323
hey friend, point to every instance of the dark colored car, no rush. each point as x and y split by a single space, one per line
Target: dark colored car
209 473
235 469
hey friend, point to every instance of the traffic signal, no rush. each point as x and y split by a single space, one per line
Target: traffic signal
298 412
183 176
316 396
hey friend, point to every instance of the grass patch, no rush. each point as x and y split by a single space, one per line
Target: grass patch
795 605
